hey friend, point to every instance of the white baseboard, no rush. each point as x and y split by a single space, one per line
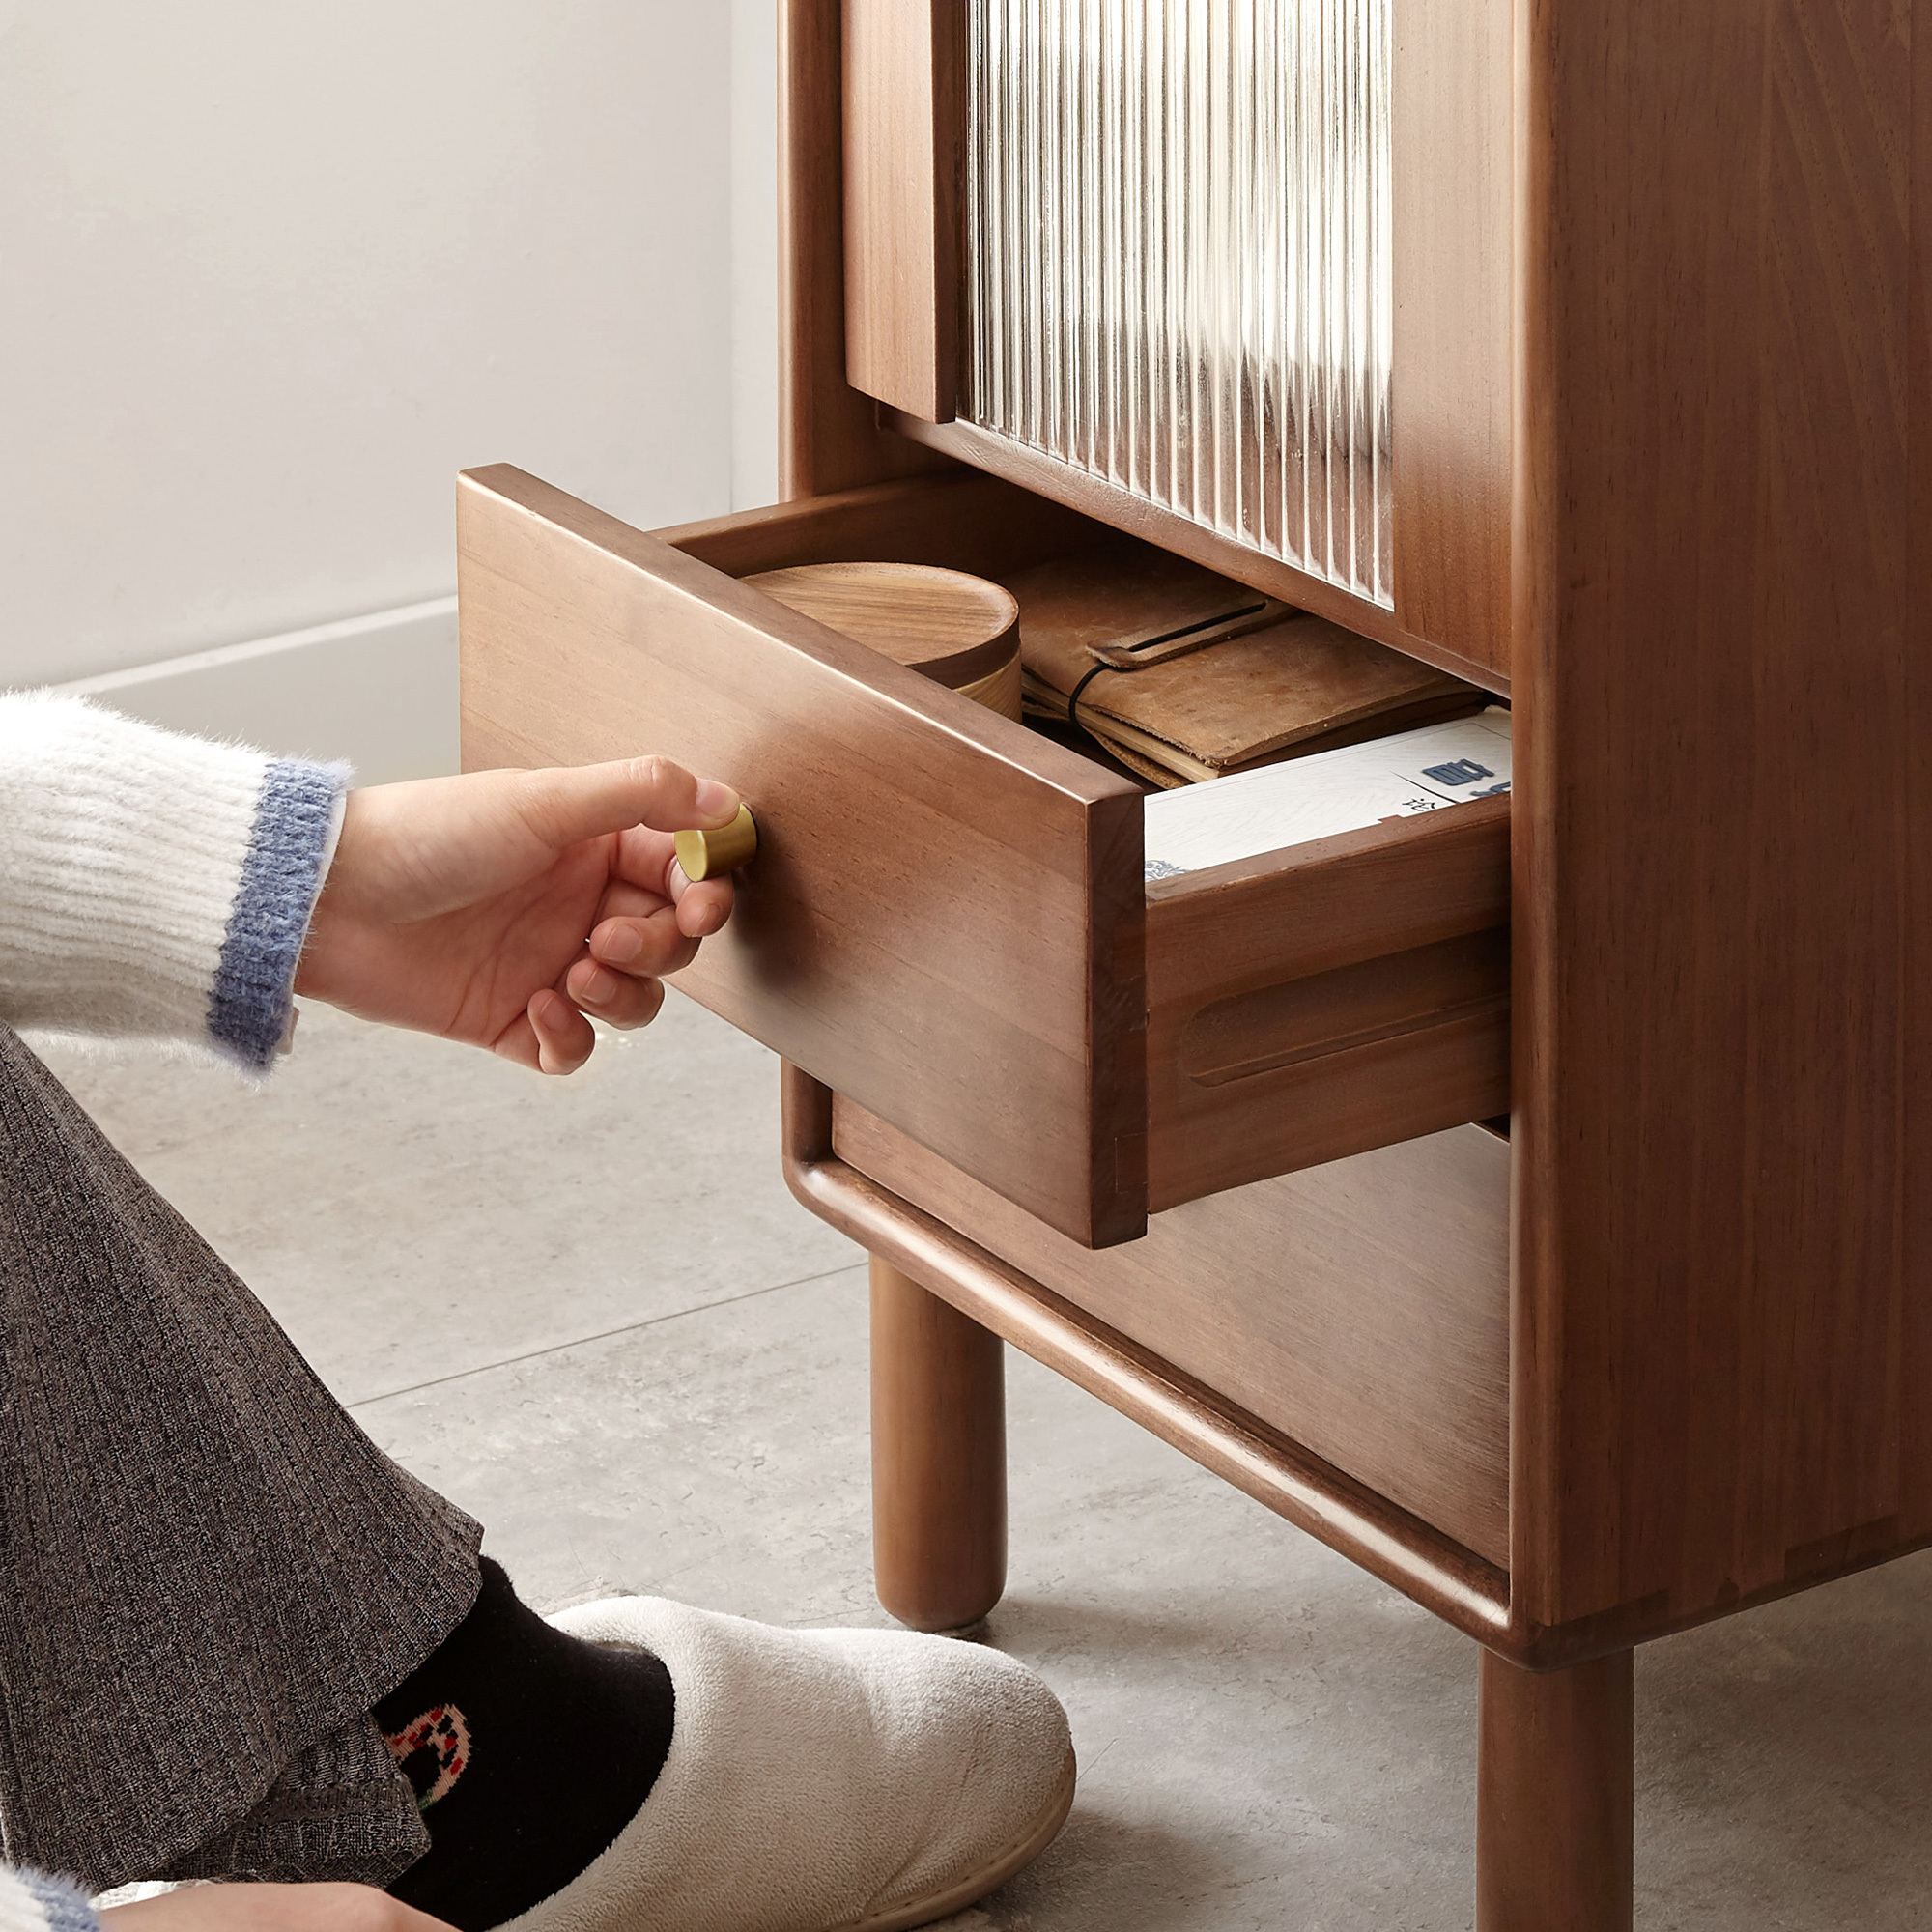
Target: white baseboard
380 691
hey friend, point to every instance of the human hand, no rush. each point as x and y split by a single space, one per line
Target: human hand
499 908
269 1908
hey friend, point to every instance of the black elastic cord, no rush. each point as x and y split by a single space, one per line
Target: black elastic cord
1073 703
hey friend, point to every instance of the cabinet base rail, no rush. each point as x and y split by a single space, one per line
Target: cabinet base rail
1389 1543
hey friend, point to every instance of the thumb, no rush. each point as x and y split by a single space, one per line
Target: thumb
575 802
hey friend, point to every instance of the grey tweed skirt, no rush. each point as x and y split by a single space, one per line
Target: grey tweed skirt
209 1574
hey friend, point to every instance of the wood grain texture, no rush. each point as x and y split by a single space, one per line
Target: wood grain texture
1914 1341
1260 1295
1390 1543
958 520
946 624
1234 1038
1327 986
1374 916
942 916
1452 137
1554 1794
1312 1005
829 436
1723 871
905 84
1042 474
939 1457
1392 1072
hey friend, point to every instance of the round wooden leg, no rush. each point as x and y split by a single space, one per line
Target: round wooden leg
1553 1797
939 1458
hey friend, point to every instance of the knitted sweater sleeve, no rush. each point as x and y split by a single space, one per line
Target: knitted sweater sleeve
32 1902
153 886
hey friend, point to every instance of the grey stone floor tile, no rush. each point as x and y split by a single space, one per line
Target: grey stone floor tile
1785 1762
411 1209
1270 1739
721 1458
716 1457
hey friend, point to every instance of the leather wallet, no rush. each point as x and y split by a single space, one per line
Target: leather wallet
1183 675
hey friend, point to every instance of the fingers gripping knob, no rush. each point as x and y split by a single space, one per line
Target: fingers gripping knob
704 855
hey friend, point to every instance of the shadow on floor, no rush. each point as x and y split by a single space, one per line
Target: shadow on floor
1126 1875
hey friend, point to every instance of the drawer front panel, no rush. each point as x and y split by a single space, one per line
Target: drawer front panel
944 917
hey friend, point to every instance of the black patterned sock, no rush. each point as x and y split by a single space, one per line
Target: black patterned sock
529 1751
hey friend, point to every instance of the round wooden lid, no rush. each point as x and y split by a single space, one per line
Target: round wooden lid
954 628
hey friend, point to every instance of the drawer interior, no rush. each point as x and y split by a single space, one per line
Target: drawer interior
947 920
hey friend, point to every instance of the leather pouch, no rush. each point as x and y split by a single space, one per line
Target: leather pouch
1183 675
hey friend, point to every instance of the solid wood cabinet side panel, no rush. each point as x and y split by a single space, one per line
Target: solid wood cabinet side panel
903 109
1453 85
1912 1368
1712 1041
829 436
1362 1308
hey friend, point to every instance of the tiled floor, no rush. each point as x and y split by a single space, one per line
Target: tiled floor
588 1310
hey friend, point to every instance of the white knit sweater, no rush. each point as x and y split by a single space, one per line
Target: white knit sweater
153 886
30 1902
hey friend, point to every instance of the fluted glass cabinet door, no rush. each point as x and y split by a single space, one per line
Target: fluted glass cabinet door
1178 274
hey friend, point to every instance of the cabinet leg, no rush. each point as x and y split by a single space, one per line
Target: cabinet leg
939 1458
1553 1797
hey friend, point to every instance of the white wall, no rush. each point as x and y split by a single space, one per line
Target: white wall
273 274
755 253
380 691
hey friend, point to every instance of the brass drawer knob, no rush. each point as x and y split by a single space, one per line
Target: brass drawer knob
703 855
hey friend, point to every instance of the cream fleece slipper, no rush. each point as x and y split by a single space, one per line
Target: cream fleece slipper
836 1781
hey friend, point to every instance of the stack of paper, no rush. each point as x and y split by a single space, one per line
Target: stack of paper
1250 812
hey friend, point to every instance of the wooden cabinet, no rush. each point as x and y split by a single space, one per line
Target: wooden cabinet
906 187
1656 470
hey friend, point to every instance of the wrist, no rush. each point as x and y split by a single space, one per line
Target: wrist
320 942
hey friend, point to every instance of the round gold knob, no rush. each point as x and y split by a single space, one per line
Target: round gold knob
703 855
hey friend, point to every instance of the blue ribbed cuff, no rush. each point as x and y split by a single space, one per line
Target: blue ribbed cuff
254 983
64 1905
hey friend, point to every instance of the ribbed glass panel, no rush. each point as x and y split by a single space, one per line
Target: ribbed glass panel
1179 277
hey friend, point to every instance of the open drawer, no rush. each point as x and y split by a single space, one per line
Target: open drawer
947 919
